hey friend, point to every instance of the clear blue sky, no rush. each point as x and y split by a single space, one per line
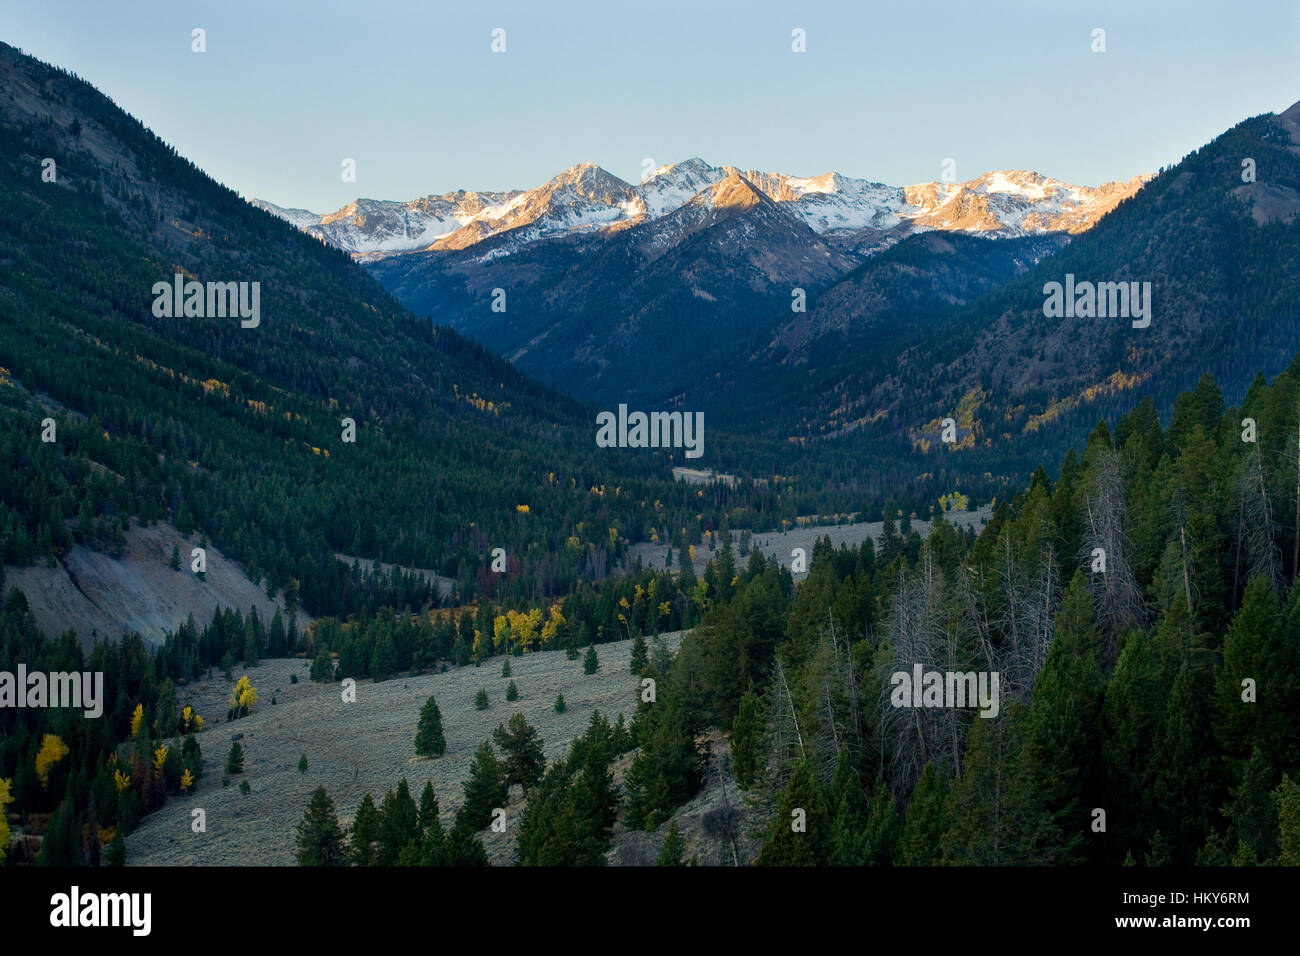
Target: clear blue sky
885 91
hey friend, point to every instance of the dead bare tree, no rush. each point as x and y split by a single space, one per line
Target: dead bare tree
1116 591
1257 529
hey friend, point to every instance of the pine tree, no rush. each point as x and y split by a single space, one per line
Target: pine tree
57 844
1253 810
673 849
235 759
432 837
590 663
429 739
505 667
399 825
320 838
463 846
481 700
1187 776
302 764
560 706
746 738
640 655
1064 744
365 832
1256 648
798 834
485 790
924 823
525 759
995 817
322 667
512 692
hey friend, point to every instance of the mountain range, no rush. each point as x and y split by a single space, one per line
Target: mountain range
852 214
920 302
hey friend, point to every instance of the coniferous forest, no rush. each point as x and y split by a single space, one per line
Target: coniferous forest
1065 634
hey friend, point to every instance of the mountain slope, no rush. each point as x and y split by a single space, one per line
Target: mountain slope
236 432
1223 260
621 316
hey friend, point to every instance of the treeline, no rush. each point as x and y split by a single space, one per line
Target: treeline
1140 612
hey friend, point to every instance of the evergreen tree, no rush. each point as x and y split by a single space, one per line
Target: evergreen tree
525 760
485 790
924 823
432 849
399 824
560 706
365 832
512 692
994 816
320 838
235 759
463 846
746 738
1253 809
429 739
322 667
640 655
673 849
302 764
1064 745
481 700
590 663
799 833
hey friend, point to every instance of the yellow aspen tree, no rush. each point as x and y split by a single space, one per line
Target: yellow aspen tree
187 780
53 749
245 694
159 758
137 718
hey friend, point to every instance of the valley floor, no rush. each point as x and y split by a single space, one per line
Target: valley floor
363 747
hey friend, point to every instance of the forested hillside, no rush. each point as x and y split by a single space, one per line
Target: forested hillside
238 433
1141 613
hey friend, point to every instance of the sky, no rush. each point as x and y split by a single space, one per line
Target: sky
413 92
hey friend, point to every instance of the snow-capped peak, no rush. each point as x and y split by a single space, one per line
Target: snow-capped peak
585 198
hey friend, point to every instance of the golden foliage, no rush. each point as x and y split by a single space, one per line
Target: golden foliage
190 720
121 780
159 758
53 749
552 625
187 780
137 718
245 694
